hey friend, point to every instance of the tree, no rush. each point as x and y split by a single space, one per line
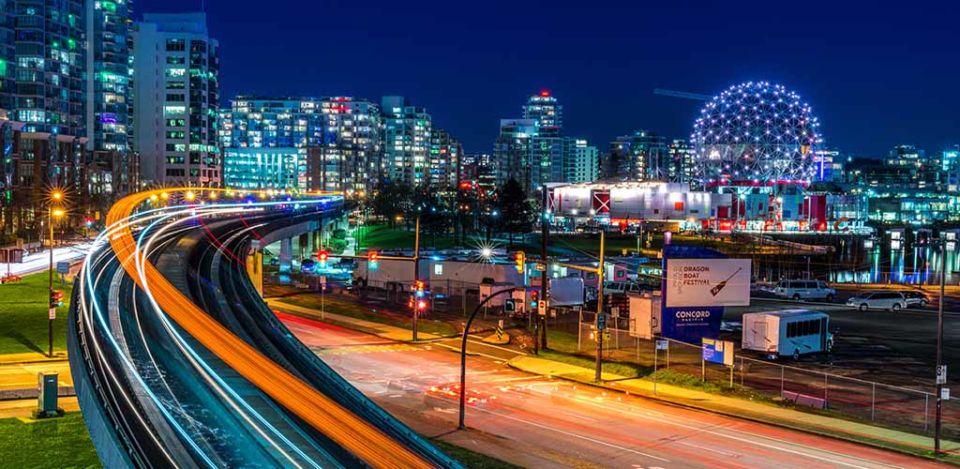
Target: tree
391 199
516 213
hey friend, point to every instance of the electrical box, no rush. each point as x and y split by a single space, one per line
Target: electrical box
48 387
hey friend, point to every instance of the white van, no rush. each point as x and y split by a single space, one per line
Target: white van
805 290
788 333
892 300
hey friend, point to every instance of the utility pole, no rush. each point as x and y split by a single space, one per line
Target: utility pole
544 294
600 308
416 277
941 370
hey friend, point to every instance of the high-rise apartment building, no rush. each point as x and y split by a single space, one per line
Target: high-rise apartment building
7 58
109 68
446 153
265 141
680 161
348 158
49 49
514 155
530 150
581 162
406 137
642 156
176 88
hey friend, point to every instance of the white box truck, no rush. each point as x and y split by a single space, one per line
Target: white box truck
791 332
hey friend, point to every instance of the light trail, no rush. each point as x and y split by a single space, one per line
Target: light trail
349 431
243 408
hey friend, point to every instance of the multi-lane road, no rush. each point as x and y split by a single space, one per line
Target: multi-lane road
538 422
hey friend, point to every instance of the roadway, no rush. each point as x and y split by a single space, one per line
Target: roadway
538 422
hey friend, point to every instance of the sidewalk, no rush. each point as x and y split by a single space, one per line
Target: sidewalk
745 409
31 358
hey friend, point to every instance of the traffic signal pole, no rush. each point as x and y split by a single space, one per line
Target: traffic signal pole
544 294
416 278
600 272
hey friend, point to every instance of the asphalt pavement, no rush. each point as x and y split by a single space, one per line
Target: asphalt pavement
538 422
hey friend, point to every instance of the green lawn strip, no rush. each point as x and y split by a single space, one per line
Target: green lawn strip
352 310
23 315
51 443
472 459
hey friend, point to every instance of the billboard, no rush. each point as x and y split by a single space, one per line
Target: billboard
707 282
691 323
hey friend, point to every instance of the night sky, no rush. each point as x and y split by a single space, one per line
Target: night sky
876 73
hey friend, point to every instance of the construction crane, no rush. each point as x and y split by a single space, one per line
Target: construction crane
682 94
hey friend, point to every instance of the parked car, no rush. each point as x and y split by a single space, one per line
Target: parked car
621 288
805 290
916 298
892 300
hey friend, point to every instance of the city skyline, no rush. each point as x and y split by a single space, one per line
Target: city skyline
862 82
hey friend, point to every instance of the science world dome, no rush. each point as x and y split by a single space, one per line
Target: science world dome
754 134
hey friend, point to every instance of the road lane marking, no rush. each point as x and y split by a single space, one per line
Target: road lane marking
574 435
812 451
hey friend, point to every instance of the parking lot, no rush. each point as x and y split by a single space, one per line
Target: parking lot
892 347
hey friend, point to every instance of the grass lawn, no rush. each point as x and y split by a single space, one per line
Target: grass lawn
385 237
51 443
353 310
471 459
23 315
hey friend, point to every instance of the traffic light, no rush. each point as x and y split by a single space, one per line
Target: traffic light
323 255
521 260
56 298
420 288
372 257
534 297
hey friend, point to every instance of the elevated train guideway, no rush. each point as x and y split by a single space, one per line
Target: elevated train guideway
362 433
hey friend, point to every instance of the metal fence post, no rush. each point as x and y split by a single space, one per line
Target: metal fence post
826 384
579 327
781 380
873 402
926 407
655 352
703 368
742 371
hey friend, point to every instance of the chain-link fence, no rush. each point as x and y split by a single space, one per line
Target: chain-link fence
868 401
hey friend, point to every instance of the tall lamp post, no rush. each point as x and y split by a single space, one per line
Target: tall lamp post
53 211
941 368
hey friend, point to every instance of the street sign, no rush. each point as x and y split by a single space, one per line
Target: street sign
615 311
944 394
63 267
542 307
663 344
541 267
718 351
602 321
942 374
53 313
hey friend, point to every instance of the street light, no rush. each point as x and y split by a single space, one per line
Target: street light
53 212
463 353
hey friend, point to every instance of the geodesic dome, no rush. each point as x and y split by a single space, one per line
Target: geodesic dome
755 133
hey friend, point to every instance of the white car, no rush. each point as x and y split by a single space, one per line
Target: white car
892 300
805 290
